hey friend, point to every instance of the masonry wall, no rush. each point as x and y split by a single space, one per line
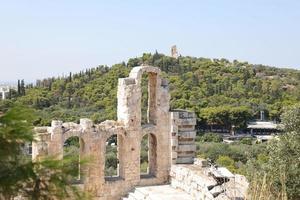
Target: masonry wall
183 136
129 130
192 180
197 180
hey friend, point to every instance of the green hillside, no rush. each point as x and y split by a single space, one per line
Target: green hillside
219 91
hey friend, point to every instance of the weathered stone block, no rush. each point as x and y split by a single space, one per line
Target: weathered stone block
86 123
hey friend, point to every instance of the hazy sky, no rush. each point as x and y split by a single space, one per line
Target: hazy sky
50 37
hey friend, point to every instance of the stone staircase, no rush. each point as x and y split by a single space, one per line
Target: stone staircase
159 192
136 195
193 182
207 183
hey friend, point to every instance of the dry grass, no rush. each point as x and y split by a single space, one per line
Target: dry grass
263 189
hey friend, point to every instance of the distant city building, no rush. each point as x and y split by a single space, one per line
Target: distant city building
174 52
4 91
263 127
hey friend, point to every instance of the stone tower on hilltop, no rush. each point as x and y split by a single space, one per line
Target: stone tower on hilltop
174 52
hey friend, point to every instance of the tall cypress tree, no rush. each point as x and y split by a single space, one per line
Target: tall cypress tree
19 88
70 77
22 87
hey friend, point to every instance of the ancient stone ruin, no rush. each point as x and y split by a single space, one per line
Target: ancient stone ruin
168 142
171 174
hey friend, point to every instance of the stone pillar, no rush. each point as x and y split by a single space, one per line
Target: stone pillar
174 136
129 103
40 143
163 129
87 127
56 144
183 136
95 149
129 114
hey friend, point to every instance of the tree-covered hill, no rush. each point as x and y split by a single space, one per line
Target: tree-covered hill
219 91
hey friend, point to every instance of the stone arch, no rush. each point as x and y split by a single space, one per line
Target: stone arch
152 154
73 150
71 133
113 144
136 72
110 129
153 84
82 143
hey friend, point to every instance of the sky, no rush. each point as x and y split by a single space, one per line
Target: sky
45 38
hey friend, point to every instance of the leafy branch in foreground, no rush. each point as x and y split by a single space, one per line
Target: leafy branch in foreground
46 178
279 176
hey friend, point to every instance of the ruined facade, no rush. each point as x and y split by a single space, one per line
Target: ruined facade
163 129
172 171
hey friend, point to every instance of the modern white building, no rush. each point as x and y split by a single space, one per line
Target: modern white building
263 127
4 91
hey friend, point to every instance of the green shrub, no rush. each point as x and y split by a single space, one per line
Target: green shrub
210 137
247 141
226 161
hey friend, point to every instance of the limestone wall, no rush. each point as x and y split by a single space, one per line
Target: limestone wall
198 181
171 140
129 131
192 180
183 135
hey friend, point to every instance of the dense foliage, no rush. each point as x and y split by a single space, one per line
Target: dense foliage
220 92
238 153
45 178
282 169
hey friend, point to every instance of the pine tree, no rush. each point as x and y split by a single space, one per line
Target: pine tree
19 88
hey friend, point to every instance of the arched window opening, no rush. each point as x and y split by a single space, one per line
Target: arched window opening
72 150
111 169
148 156
144 159
148 98
144 99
